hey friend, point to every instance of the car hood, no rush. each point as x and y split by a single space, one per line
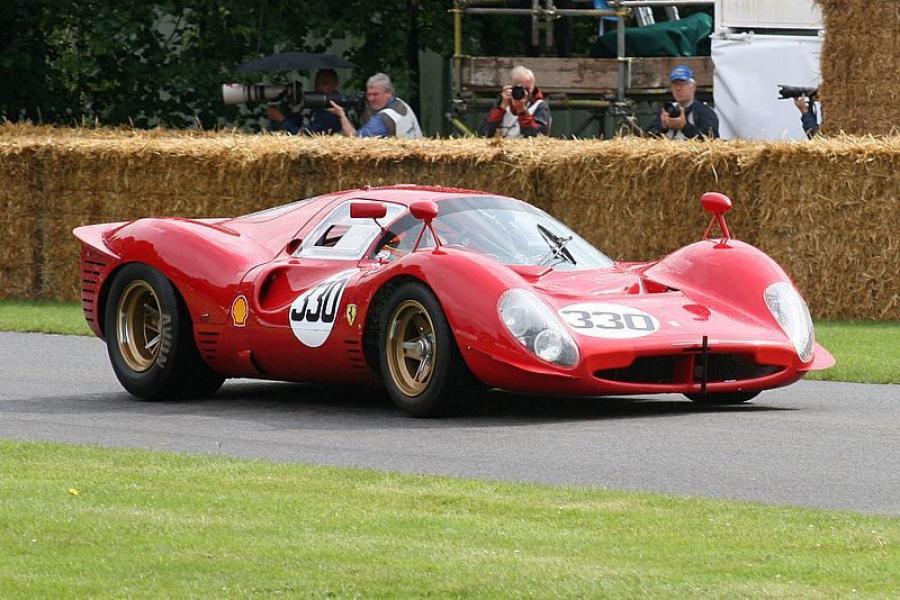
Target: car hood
623 306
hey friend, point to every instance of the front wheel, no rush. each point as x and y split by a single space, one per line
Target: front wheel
149 338
423 371
723 398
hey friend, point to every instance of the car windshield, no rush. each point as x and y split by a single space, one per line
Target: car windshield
510 231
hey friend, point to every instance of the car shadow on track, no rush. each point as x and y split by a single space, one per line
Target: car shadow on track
484 409
287 405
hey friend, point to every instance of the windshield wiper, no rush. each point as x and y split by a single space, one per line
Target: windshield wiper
557 246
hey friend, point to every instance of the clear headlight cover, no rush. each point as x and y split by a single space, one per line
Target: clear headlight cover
792 314
532 322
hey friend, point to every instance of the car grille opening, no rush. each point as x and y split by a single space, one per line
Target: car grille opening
687 368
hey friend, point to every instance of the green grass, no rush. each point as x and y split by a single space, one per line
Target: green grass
43 317
150 524
866 352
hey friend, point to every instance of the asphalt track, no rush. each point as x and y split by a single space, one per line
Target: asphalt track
828 445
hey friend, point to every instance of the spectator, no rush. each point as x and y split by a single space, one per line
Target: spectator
695 119
807 116
525 116
320 121
389 116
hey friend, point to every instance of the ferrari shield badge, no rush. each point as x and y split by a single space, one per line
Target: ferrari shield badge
351 314
239 311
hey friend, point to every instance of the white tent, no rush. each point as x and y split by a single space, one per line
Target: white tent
759 44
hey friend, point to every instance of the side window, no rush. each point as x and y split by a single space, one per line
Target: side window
399 239
332 235
340 237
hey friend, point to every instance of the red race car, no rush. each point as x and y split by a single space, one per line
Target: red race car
430 290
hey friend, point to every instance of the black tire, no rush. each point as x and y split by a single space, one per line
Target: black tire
149 338
411 310
729 398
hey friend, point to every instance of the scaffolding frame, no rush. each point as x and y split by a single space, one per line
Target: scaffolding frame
543 14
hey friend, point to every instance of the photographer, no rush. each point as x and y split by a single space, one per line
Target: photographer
320 121
521 111
807 115
388 115
685 118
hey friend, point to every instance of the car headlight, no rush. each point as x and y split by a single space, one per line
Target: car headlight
532 322
792 314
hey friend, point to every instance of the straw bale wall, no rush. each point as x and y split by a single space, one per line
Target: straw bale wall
860 61
827 210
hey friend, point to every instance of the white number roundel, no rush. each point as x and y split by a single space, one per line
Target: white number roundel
314 313
612 321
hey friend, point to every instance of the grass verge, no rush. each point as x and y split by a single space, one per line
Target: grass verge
866 352
42 316
151 524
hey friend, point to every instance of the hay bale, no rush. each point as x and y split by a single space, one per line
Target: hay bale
20 195
639 199
827 209
860 60
830 217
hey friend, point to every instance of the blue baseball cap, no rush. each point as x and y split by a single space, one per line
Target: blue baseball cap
682 73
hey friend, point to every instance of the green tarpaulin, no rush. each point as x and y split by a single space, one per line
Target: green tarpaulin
684 37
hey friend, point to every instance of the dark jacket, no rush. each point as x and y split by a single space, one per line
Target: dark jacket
810 123
530 125
320 121
705 125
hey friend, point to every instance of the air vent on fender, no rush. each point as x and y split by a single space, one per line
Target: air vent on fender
208 343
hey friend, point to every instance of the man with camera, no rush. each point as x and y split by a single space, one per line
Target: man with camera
805 100
807 107
521 110
388 115
808 119
320 121
685 118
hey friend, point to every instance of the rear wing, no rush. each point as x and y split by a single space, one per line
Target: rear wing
95 236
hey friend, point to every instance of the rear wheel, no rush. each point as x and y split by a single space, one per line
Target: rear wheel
149 338
421 366
727 398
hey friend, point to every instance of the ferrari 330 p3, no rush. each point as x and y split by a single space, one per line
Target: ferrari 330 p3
429 291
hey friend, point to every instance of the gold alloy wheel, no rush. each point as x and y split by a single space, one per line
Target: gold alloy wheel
411 351
138 326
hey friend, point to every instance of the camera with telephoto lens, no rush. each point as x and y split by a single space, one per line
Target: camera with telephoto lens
673 110
795 91
239 93
519 92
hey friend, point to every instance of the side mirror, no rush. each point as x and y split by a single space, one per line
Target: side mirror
424 210
717 205
367 210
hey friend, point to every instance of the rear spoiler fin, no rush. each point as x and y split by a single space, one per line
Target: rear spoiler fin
95 236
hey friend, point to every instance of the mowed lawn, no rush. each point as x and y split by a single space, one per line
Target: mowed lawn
866 352
88 522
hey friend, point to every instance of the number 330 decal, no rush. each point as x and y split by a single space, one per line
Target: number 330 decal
312 314
609 320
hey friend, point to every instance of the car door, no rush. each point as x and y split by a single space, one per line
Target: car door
299 301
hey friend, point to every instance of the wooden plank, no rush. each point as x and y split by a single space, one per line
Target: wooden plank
579 75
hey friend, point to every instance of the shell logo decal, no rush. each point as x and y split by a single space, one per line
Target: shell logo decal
239 311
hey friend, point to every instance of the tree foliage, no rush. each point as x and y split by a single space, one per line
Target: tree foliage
149 63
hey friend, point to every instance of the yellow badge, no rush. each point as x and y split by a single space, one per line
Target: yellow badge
239 311
351 314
